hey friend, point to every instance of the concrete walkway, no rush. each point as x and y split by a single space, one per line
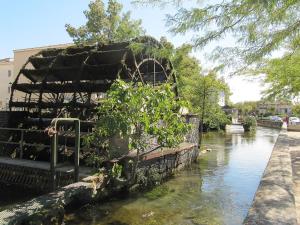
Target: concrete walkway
277 200
294 148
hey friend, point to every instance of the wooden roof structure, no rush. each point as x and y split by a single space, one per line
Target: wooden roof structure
68 79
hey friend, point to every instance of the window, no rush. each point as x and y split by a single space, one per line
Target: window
9 73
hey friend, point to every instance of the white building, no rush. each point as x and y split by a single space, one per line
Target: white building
6 79
280 108
9 69
222 99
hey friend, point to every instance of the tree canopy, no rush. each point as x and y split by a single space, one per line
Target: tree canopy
283 76
105 25
247 108
137 112
203 92
260 27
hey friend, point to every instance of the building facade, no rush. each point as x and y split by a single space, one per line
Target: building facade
6 79
21 55
10 68
280 108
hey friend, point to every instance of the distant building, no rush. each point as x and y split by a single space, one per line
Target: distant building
222 99
229 110
274 108
9 69
22 55
6 79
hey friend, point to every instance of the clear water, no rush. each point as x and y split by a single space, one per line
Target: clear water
217 190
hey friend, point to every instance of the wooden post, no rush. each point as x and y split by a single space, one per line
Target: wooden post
77 149
21 144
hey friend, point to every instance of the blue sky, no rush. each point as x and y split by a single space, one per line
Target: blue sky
34 23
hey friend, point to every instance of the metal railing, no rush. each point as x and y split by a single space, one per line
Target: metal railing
53 134
21 142
54 143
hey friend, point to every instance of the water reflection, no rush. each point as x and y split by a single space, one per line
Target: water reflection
217 190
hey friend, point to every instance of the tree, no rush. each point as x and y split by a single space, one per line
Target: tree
249 123
105 25
185 66
296 110
136 111
260 27
247 108
283 76
202 92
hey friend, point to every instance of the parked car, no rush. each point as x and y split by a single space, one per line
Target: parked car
294 120
275 118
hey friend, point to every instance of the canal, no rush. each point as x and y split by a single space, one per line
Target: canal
217 190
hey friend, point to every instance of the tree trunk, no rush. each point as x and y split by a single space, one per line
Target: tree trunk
202 116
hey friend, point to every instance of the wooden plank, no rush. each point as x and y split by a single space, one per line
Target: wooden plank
83 171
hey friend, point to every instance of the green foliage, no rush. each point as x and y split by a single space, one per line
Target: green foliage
215 118
202 92
116 170
296 110
105 25
282 74
259 27
249 123
184 64
94 160
247 108
137 110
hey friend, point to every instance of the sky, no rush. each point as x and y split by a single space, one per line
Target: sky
34 23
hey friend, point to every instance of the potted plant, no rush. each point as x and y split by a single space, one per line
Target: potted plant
249 123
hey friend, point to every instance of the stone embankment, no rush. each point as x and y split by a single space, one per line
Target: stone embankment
277 200
293 127
158 164
50 208
270 124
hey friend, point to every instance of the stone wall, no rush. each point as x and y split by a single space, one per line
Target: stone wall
48 209
158 165
4 117
3 123
8 119
293 128
270 124
274 201
193 135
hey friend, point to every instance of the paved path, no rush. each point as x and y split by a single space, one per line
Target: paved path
277 200
294 148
